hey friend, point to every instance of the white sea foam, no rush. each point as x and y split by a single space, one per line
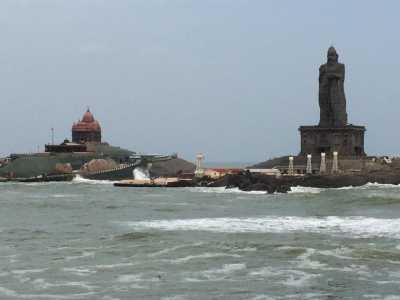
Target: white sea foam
293 190
42 284
80 179
299 279
129 278
141 173
79 271
305 261
304 190
295 278
201 256
223 190
168 250
176 297
355 226
114 266
263 297
368 186
107 297
380 185
14 294
29 271
84 254
341 253
227 269
216 274
64 196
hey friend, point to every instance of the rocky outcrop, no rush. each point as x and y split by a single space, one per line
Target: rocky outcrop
96 165
252 182
271 184
171 168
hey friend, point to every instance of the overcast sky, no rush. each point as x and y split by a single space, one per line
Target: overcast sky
232 79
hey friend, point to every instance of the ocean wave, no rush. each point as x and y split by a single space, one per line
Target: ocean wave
201 256
14 294
80 179
217 274
293 189
85 254
304 190
354 226
367 186
42 284
224 190
79 271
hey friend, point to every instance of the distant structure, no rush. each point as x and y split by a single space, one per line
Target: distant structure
335 164
309 164
291 167
322 168
333 134
199 172
86 130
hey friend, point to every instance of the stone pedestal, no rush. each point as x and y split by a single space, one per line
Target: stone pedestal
348 141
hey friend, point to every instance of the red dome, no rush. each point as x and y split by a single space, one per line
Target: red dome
88 117
88 129
84 126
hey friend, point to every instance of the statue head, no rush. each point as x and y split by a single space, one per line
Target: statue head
332 55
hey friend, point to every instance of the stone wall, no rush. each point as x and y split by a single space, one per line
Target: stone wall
348 141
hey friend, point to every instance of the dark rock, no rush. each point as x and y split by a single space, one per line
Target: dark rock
171 168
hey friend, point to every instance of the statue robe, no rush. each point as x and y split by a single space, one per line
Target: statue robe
332 100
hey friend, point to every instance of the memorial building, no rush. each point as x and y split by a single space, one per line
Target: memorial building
333 133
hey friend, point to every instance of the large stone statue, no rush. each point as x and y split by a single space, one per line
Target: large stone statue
332 134
332 100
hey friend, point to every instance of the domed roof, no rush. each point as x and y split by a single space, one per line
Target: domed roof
88 117
88 123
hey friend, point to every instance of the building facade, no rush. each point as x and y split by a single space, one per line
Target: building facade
86 130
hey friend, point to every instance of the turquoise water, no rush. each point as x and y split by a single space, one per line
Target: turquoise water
90 240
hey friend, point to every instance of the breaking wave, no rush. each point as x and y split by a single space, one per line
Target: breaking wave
80 179
293 190
304 190
368 186
223 190
141 173
359 227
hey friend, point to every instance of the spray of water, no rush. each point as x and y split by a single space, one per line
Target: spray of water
141 173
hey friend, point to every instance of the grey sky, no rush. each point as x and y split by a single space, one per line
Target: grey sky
233 79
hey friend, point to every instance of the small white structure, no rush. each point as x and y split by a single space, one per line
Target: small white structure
335 164
199 172
309 164
322 168
291 168
272 172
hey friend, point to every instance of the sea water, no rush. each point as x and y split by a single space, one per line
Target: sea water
90 240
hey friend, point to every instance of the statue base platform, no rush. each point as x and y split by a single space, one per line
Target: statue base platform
348 141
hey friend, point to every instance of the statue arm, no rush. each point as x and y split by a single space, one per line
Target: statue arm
343 72
321 73
338 73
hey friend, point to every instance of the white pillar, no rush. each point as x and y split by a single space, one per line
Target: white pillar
309 165
335 164
322 168
291 168
199 169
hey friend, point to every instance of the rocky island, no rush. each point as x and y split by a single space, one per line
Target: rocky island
331 154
